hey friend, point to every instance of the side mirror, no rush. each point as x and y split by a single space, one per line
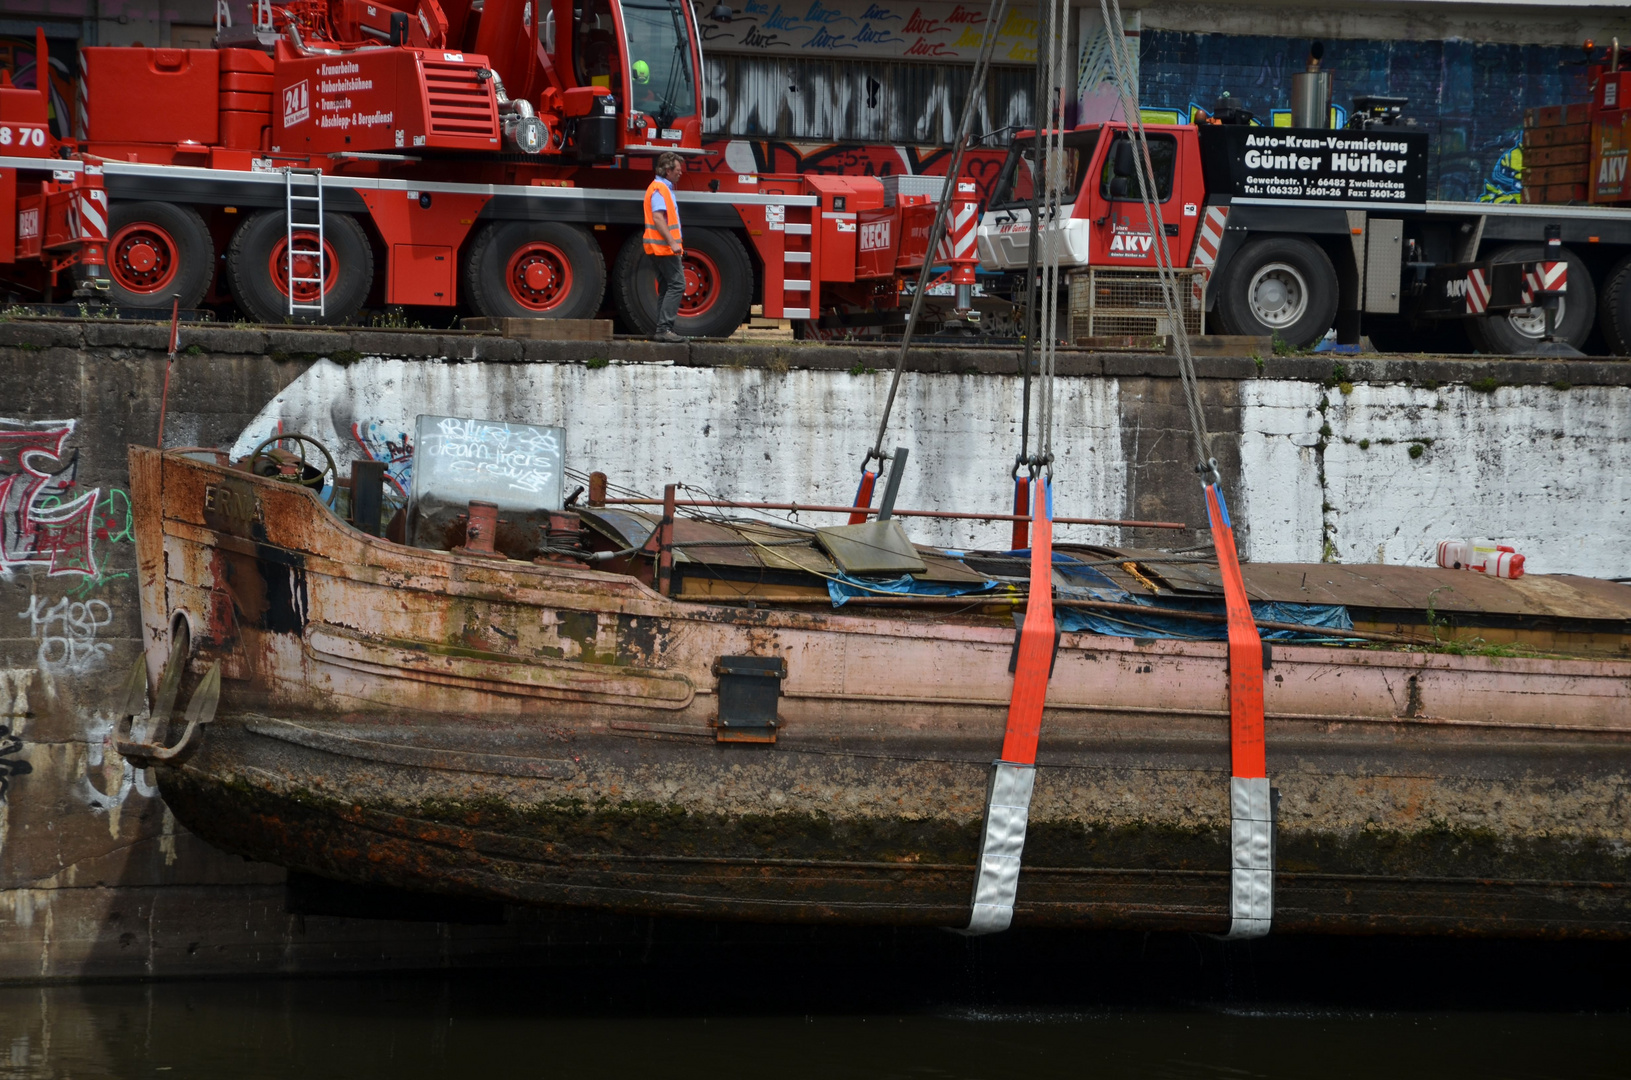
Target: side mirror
721 13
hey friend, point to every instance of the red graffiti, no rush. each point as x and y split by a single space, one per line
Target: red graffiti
39 522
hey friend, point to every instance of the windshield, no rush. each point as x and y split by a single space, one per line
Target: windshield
660 77
1017 182
1120 179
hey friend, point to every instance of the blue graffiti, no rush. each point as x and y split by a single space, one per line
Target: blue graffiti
823 40
867 35
1469 97
878 14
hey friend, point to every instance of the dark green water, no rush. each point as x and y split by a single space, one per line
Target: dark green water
876 1005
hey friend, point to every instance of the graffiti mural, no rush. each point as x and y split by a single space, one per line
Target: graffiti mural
924 29
44 520
378 443
66 631
10 766
821 99
1469 97
747 156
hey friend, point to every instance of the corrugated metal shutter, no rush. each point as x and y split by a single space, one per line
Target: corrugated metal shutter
820 100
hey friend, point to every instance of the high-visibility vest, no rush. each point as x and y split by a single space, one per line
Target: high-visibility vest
655 244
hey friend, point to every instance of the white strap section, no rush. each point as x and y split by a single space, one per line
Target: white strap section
1251 877
1007 810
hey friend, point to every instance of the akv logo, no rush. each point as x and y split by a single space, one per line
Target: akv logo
296 103
875 236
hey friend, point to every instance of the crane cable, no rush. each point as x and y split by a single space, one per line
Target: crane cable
976 91
1205 464
1251 799
1013 775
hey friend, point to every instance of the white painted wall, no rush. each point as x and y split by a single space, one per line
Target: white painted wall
744 433
1546 470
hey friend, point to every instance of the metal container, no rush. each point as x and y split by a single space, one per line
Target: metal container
1311 99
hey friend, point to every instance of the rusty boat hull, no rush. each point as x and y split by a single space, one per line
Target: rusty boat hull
549 735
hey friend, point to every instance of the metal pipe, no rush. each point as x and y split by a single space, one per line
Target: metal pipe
949 514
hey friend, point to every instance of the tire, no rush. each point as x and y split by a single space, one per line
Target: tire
1614 308
534 270
157 252
256 266
1279 285
718 285
1516 333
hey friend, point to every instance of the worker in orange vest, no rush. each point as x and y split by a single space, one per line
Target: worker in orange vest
663 243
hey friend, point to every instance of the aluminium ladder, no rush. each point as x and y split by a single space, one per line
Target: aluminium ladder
304 212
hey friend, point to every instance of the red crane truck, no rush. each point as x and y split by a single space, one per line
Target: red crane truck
1296 231
486 155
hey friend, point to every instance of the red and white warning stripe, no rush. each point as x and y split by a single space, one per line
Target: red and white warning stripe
1546 277
1477 292
1208 238
959 241
82 107
91 205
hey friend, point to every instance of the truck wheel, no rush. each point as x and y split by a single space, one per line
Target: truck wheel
1614 313
718 285
257 266
157 251
1279 285
534 270
1518 332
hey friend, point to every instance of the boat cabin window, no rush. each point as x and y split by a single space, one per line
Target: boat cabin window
1016 184
1120 177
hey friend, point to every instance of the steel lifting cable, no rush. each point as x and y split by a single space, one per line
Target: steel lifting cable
1143 166
1013 775
976 91
1251 809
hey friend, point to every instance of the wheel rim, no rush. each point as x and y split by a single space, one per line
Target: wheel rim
143 258
1278 295
304 267
539 276
702 286
1530 322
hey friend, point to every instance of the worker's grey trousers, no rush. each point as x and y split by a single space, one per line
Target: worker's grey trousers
670 290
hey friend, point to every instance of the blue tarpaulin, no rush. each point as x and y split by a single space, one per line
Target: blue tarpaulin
1166 616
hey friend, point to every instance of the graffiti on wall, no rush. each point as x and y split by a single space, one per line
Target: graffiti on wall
757 157
10 765
857 100
917 29
1469 97
44 519
67 630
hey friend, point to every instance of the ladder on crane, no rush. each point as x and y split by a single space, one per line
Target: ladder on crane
303 216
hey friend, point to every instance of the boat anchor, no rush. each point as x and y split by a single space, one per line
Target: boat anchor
150 748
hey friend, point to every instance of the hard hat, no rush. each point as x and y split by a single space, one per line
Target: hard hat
642 71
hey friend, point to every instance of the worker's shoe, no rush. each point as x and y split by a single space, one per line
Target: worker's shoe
668 337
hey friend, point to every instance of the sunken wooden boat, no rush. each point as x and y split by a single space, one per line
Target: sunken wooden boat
566 734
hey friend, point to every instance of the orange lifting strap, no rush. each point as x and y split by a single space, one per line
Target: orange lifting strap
1251 873
1008 792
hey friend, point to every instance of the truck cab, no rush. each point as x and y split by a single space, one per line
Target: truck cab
1105 224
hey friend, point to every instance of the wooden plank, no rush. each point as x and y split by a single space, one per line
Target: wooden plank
1546 156
545 329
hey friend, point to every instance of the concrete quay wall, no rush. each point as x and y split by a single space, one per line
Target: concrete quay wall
1372 459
